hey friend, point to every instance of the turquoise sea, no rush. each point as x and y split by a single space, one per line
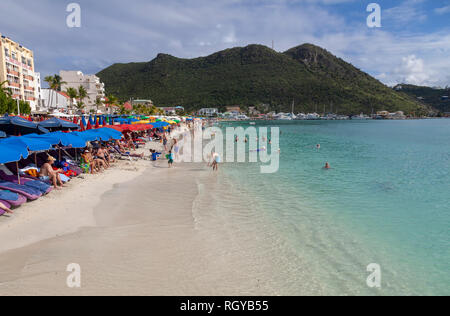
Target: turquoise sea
386 200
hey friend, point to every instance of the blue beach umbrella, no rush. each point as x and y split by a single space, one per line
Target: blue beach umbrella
64 139
13 125
12 150
87 136
83 119
35 143
56 123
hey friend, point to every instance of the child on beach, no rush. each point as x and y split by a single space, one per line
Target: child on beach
170 157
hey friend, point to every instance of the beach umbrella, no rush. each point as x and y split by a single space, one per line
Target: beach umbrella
64 139
58 124
89 124
107 134
82 125
97 122
12 149
35 142
86 136
116 127
13 125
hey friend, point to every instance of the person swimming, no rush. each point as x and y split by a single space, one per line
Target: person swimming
318 146
327 166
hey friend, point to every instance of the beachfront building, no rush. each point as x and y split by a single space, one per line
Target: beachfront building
171 110
399 115
234 109
94 87
208 112
147 103
55 100
17 68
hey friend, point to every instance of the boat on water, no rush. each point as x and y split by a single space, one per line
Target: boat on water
300 117
313 116
361 117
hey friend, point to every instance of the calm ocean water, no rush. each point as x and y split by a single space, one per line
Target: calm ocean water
385 201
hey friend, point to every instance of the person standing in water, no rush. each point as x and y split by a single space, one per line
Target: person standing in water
327 166
170 157
215 161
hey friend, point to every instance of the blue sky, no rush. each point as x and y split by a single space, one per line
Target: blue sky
413 44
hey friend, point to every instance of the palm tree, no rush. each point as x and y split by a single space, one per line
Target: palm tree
7 91
82 94
73 94
57 84
98 103
80 106
112 101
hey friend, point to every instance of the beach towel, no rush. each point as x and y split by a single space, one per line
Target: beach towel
29 192
12 198
36 184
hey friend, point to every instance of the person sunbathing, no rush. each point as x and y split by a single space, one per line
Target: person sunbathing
120 146
48 174
101 155
107 151
6 209
91 162
97 162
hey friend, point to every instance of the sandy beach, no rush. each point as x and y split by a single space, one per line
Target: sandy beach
134 230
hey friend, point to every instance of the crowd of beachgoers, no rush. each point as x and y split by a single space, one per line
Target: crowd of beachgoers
40 172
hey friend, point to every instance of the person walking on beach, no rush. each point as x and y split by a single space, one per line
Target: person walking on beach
175 148
215 161
165 142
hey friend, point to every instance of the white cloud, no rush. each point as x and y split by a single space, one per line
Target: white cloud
141 29
413 71
408 11
443 10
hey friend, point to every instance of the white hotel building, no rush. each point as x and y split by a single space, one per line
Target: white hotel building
94 87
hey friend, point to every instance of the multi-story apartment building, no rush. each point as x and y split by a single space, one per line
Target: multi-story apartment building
94 87
17 68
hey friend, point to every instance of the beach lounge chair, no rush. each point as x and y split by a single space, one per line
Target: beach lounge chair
34 183
28 192
12 198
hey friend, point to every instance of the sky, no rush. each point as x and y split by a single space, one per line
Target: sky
411 46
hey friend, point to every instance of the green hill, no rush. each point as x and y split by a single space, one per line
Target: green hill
434 97
254 75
